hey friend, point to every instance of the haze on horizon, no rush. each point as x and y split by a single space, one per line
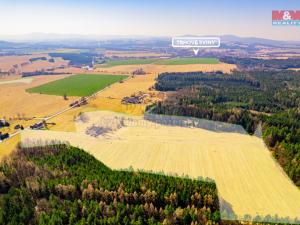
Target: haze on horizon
146 18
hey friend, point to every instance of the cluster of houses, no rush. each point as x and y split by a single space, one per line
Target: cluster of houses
37 126
3 123
88 67
41 125
78 103
137 98
139 72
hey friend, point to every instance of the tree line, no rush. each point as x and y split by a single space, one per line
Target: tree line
76 59
262 64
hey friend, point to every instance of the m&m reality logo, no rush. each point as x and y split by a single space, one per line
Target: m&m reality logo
286 17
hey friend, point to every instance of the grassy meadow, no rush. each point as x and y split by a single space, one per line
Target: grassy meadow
172 61
77 85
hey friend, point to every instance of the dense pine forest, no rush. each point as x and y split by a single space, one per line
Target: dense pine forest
247 98
60 184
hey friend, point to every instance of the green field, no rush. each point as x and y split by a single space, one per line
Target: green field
174 61
112 63
77 85
186 61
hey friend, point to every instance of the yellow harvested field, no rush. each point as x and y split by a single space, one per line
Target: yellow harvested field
19 107
109 99
115 105
15 65
16 101
9 145
66 122
249 181
129 87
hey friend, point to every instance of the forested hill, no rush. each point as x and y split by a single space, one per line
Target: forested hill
65 185
247 98
263 91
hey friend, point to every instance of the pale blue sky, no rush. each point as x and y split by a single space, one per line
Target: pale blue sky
146 17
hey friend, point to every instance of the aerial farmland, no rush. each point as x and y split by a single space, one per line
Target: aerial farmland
101 102
77 85
230 159
150 112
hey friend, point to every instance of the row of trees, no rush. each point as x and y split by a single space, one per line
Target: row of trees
76 59
37 59
206 111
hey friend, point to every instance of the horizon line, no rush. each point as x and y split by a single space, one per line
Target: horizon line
60 36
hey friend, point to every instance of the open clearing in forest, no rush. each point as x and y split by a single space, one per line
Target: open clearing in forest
249 181
77 85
